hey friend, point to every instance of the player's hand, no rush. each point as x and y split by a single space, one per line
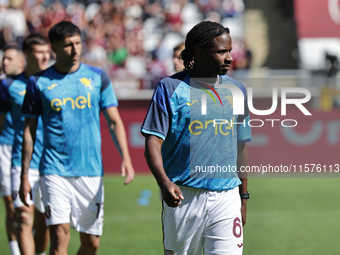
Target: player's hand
128 171
244 210
25 188
171 193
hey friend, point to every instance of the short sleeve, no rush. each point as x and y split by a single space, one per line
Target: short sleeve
108 97
244 131
157 120
32 104
243 127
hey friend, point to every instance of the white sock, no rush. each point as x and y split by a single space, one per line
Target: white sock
14 247
41 253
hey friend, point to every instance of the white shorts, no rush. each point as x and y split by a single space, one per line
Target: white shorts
34 180
75 200
208 221
5 170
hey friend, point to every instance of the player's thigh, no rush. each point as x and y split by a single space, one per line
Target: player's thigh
59 236
24 216
33 178
89 242
223 234
57 195
8 201
5 170
183 225
87 205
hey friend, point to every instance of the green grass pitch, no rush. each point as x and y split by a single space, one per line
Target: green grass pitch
285 216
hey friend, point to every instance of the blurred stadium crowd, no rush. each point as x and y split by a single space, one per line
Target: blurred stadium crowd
127 38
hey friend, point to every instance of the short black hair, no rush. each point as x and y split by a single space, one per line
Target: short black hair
201 35
61 30
33 39
12 46
179 46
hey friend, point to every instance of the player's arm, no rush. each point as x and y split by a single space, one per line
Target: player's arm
118 135
29 135
171 193
242 160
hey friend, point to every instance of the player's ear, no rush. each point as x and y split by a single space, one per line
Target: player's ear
53 47
198 53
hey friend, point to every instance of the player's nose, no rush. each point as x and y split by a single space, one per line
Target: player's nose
228 58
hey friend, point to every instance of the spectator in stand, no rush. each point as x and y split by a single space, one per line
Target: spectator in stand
157 70
95 54
242 56
134 29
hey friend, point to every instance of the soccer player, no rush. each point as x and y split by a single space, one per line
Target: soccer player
194 146
178 62
13 63
37 52
69 96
